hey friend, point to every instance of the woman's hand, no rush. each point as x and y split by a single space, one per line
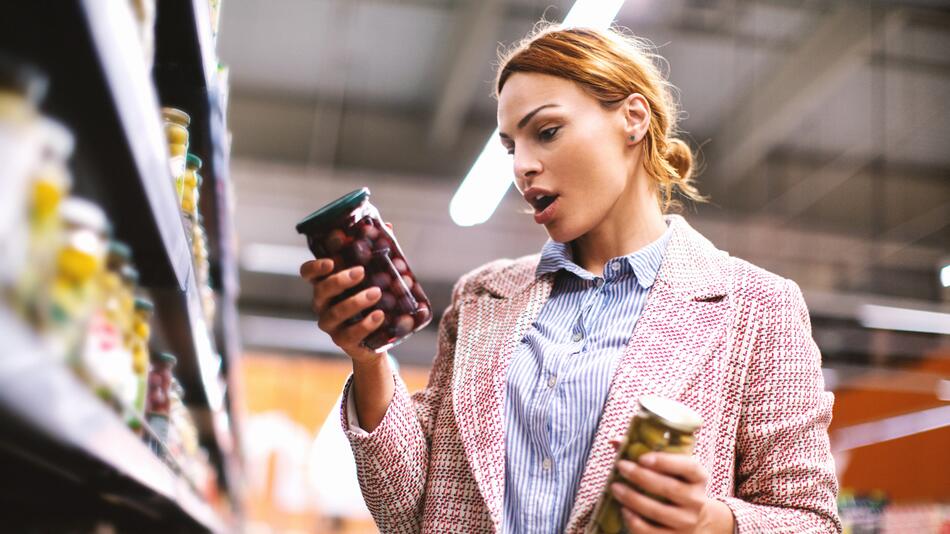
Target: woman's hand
680 479
330 318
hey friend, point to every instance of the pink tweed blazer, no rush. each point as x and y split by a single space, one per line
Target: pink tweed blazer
725 337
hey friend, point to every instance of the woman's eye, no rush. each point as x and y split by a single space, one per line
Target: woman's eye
547 135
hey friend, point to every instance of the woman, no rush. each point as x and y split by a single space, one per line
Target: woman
541 359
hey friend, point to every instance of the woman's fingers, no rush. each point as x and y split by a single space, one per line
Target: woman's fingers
353 335
656 483
643 506
638 525
678 465
333 285
315 269
334 316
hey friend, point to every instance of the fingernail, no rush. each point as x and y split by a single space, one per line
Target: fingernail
356 272
373 292
377 316
616 488
326 264
648 459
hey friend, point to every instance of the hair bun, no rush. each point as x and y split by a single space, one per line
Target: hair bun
680 157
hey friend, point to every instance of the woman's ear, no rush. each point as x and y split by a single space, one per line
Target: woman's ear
636 114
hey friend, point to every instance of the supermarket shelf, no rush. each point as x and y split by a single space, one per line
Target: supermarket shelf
101 89
186 75
54 421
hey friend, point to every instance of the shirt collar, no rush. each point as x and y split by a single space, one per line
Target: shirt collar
644 263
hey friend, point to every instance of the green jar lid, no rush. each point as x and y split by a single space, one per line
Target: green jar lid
166 357
24 79
130 273
329 213
144 304
120 250
192 161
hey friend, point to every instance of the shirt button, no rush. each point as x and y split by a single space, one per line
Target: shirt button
552 380
599 282
578 336
546 464
615 265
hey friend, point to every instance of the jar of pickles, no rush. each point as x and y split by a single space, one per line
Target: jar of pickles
176 124
350 231
191 185
661 425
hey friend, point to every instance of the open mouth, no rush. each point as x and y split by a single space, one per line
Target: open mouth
541 202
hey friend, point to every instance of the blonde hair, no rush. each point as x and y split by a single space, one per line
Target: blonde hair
610 66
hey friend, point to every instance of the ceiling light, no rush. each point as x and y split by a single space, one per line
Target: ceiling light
274 259
906 319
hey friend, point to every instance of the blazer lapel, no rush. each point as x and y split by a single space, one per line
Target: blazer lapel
491 324
680 328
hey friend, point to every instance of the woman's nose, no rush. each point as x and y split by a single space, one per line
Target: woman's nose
526 166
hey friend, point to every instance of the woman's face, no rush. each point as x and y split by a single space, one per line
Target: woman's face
566 144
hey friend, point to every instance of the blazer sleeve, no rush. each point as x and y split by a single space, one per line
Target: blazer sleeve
785 474
392 460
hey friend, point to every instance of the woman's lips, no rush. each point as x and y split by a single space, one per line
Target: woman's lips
545 216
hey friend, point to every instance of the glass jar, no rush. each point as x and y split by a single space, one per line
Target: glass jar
351 232
661 425
142 332
176 124
22 87
66 306
191 183
49 184
158 402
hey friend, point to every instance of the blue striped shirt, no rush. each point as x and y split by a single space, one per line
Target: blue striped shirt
559 377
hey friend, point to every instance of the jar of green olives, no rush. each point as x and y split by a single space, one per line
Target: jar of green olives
661 425
351 232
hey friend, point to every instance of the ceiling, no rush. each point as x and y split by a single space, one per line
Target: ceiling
824 127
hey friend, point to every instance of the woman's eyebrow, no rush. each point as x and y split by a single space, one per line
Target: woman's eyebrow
524 121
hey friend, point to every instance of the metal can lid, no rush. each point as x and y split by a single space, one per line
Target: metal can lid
673 414
80 212
176 116
327 214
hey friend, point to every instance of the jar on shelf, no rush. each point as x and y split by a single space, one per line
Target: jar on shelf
68 303
50 181
142 333
191 184
22 87
158 402
661 425
176 123
351 232
106 361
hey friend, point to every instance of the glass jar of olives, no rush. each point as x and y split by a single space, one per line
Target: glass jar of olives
661 425
351 232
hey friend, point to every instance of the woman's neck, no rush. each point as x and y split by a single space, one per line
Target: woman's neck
634 222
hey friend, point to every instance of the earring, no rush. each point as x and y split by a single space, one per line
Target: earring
633 138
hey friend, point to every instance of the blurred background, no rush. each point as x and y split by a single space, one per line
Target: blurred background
823 130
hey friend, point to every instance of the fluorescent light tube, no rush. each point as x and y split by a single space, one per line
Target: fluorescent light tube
274 259
891 318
